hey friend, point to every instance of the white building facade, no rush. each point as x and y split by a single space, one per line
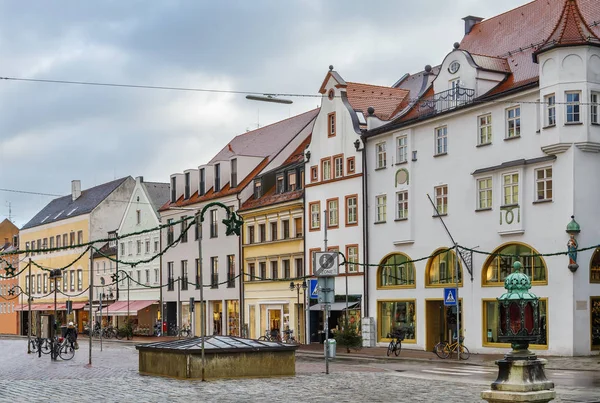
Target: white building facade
226 179
505 147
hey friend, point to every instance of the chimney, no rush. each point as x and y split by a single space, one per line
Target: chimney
75 189
470 22
139 179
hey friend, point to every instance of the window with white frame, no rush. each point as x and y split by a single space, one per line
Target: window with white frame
326 169
550 110
543 183
381 208
573 107
594 103
351 210
352 254
510 188
441 140
402 205
332 209
513 122
315 222
485 129
338 167
401 149
484 193
441 199
380 156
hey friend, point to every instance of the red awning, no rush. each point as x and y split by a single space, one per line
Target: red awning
48 307
120 308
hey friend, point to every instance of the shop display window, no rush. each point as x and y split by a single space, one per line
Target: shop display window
490 324
397 315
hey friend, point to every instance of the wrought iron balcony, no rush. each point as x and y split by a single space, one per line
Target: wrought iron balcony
445 100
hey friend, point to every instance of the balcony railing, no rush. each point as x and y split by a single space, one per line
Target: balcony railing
445 100
230 280
214 281
170 284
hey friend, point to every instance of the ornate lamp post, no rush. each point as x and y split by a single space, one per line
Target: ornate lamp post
520 374
573 229
297 287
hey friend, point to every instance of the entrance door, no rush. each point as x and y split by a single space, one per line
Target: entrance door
274 321
441 323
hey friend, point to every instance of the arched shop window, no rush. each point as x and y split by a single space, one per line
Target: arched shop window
595 267
490 324
496 268
396 271
441 269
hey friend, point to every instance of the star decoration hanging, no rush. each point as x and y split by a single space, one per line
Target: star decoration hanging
233 223
10 271
11 292
114 277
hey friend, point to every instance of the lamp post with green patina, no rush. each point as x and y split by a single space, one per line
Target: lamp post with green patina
520 374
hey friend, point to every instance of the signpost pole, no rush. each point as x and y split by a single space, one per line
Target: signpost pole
326 311
456 268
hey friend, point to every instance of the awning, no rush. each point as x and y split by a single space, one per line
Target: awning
119 308
48 307
336 306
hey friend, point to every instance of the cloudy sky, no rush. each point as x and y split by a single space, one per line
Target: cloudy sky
51 134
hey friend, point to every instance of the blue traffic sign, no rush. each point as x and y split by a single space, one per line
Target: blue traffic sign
450 296
314 293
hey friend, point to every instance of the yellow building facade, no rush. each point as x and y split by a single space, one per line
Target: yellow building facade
273 252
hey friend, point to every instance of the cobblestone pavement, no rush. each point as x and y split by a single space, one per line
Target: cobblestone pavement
113 377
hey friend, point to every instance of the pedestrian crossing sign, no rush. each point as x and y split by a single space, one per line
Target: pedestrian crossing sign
450 296
314 290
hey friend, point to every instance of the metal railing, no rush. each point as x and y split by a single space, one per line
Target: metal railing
445 100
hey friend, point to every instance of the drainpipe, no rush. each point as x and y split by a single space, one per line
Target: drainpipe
365 229
241 270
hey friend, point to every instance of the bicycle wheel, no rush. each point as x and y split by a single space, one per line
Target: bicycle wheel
33 346
184 333
398 348
66 351
262 338
391 348
441 350
45 346
464 353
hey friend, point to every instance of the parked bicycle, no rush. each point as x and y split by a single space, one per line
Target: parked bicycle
64 347
183 331
288 337
270 335
444 349
40 343
395 345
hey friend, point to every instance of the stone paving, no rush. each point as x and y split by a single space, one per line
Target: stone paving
113 377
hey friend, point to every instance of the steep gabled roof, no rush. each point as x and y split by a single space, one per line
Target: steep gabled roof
385 100
158 193
266 141
64 207
570 30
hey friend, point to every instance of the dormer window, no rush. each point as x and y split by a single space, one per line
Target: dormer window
217 177
187 185
291 181
280 184
234 173
257 189
202 187
173 190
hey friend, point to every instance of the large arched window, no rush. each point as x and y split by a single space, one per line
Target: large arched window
595 267
441 269
396 271
496 268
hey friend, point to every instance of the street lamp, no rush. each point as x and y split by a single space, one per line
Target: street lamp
297 287
520 374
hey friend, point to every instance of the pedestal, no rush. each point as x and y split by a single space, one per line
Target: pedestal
520 379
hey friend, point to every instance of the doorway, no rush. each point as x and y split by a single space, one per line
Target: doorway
217 317
440 322
274 316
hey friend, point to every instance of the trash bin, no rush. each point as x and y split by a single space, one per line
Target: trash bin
332 347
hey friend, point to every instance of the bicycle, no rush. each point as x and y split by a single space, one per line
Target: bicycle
64 348
395 345
288 337
272 335
40 342
444 349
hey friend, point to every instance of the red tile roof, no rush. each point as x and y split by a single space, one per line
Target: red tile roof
385 100
515 34
491 63
269 140
571 29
